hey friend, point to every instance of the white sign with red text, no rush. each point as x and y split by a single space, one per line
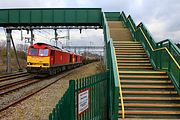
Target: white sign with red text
83 101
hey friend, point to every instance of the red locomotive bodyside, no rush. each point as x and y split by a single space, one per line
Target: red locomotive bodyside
78 58
60 58
46 58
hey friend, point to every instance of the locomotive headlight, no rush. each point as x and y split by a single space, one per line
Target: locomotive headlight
45 64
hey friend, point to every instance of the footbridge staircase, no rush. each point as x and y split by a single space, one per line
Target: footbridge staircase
148 73
142 79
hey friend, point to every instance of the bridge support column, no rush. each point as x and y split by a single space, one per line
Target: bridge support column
8 51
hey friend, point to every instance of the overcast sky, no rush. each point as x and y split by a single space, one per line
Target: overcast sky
162 17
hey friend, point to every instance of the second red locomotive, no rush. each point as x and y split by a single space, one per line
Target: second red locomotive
44 58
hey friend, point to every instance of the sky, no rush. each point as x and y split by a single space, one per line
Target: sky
161 17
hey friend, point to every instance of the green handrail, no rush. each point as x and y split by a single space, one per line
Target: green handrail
113 82
174 50
164 55
123 18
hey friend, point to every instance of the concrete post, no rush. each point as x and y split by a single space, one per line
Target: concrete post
8 51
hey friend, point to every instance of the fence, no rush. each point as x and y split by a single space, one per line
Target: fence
85 99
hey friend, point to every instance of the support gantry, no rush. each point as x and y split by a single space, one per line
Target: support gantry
47 18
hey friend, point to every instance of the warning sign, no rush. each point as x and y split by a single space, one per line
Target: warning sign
83 101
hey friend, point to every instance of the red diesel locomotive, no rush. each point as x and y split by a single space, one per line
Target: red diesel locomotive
44 58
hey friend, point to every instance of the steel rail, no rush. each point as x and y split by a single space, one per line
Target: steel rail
13 77
17 87
34 92
8 75
4 86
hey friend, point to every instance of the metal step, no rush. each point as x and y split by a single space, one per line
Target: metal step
127 112
146 81
151 98
143 72
148 86
143 76
135 59
140 48
130 53
150 92
136 67
150 105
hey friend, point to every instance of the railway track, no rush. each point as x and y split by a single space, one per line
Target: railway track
12 76
18 86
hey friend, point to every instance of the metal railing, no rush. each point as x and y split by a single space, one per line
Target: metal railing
68 108
164 55
65 108
114 83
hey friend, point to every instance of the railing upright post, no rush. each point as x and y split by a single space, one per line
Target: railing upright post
73 107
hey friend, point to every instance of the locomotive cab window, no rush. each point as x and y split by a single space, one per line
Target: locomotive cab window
33 51
43 52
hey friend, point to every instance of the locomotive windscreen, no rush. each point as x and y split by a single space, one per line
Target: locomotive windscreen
43 52
33 51
38 52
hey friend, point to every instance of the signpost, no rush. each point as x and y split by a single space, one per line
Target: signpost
83 101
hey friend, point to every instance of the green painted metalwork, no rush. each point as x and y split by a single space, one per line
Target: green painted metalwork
112 16
51 17
111 61
164 55
67 109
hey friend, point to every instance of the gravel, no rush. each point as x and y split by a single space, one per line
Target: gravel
15 80
41 104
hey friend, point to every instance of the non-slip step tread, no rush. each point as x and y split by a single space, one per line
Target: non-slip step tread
150 92
130 53
130 50
127 44
128 61
122 41
150 105
134 64
146 81
146 58
136 67
128 47
150 112
116 48
147 86
151 98
143 72
142 76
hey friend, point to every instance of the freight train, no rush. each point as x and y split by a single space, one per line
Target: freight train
47 59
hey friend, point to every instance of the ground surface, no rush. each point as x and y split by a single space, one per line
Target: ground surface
41 104
14 65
